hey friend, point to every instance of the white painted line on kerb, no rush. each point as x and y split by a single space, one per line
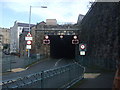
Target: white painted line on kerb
58 61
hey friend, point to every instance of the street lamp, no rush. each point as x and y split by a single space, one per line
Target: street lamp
30 21
30 13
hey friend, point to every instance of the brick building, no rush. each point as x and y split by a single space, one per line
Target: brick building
5 38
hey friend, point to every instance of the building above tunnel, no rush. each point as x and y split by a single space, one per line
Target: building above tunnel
51 22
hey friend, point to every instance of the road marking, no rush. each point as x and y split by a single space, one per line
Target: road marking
58 61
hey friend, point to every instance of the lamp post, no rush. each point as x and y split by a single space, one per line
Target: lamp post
30 21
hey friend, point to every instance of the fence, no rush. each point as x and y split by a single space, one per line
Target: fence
6 63
60 77
33 59
10 61
109 64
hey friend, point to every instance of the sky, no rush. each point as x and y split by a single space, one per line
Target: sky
61 10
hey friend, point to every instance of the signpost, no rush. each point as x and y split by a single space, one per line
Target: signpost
82 49
28 46
46 40
29 42
82 46
82 52
28 38
75 40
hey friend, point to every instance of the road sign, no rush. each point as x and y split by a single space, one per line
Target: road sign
82 47
75 41
75 37
82 52
28 37
46 41
61 36
28 46
29 42
46 37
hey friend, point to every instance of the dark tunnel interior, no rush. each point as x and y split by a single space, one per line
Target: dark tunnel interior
62 47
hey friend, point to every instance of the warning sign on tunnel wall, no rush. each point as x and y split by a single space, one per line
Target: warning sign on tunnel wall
82 47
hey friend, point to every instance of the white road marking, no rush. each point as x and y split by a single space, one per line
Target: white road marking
58 61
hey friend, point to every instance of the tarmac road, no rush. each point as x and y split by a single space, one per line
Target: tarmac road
42 65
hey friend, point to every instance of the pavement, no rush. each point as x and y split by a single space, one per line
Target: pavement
97 78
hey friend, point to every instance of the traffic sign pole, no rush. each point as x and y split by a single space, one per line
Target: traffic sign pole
28 38
82 50
82 60
28 52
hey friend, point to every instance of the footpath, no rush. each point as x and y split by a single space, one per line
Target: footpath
96 78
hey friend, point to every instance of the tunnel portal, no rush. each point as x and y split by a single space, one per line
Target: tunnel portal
62 47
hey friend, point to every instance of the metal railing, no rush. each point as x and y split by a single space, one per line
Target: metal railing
31 60
9 62
6 63
60 77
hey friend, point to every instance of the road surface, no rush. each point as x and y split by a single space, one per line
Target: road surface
44 65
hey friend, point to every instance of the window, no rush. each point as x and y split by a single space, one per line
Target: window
0 38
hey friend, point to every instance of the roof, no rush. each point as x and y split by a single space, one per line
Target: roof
24 24
25 30
81 15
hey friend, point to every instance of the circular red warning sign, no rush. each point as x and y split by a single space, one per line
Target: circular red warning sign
29 42
46 37
82 46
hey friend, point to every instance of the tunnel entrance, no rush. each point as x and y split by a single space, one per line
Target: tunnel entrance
62 47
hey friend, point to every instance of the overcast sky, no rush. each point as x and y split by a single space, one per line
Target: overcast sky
62 10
